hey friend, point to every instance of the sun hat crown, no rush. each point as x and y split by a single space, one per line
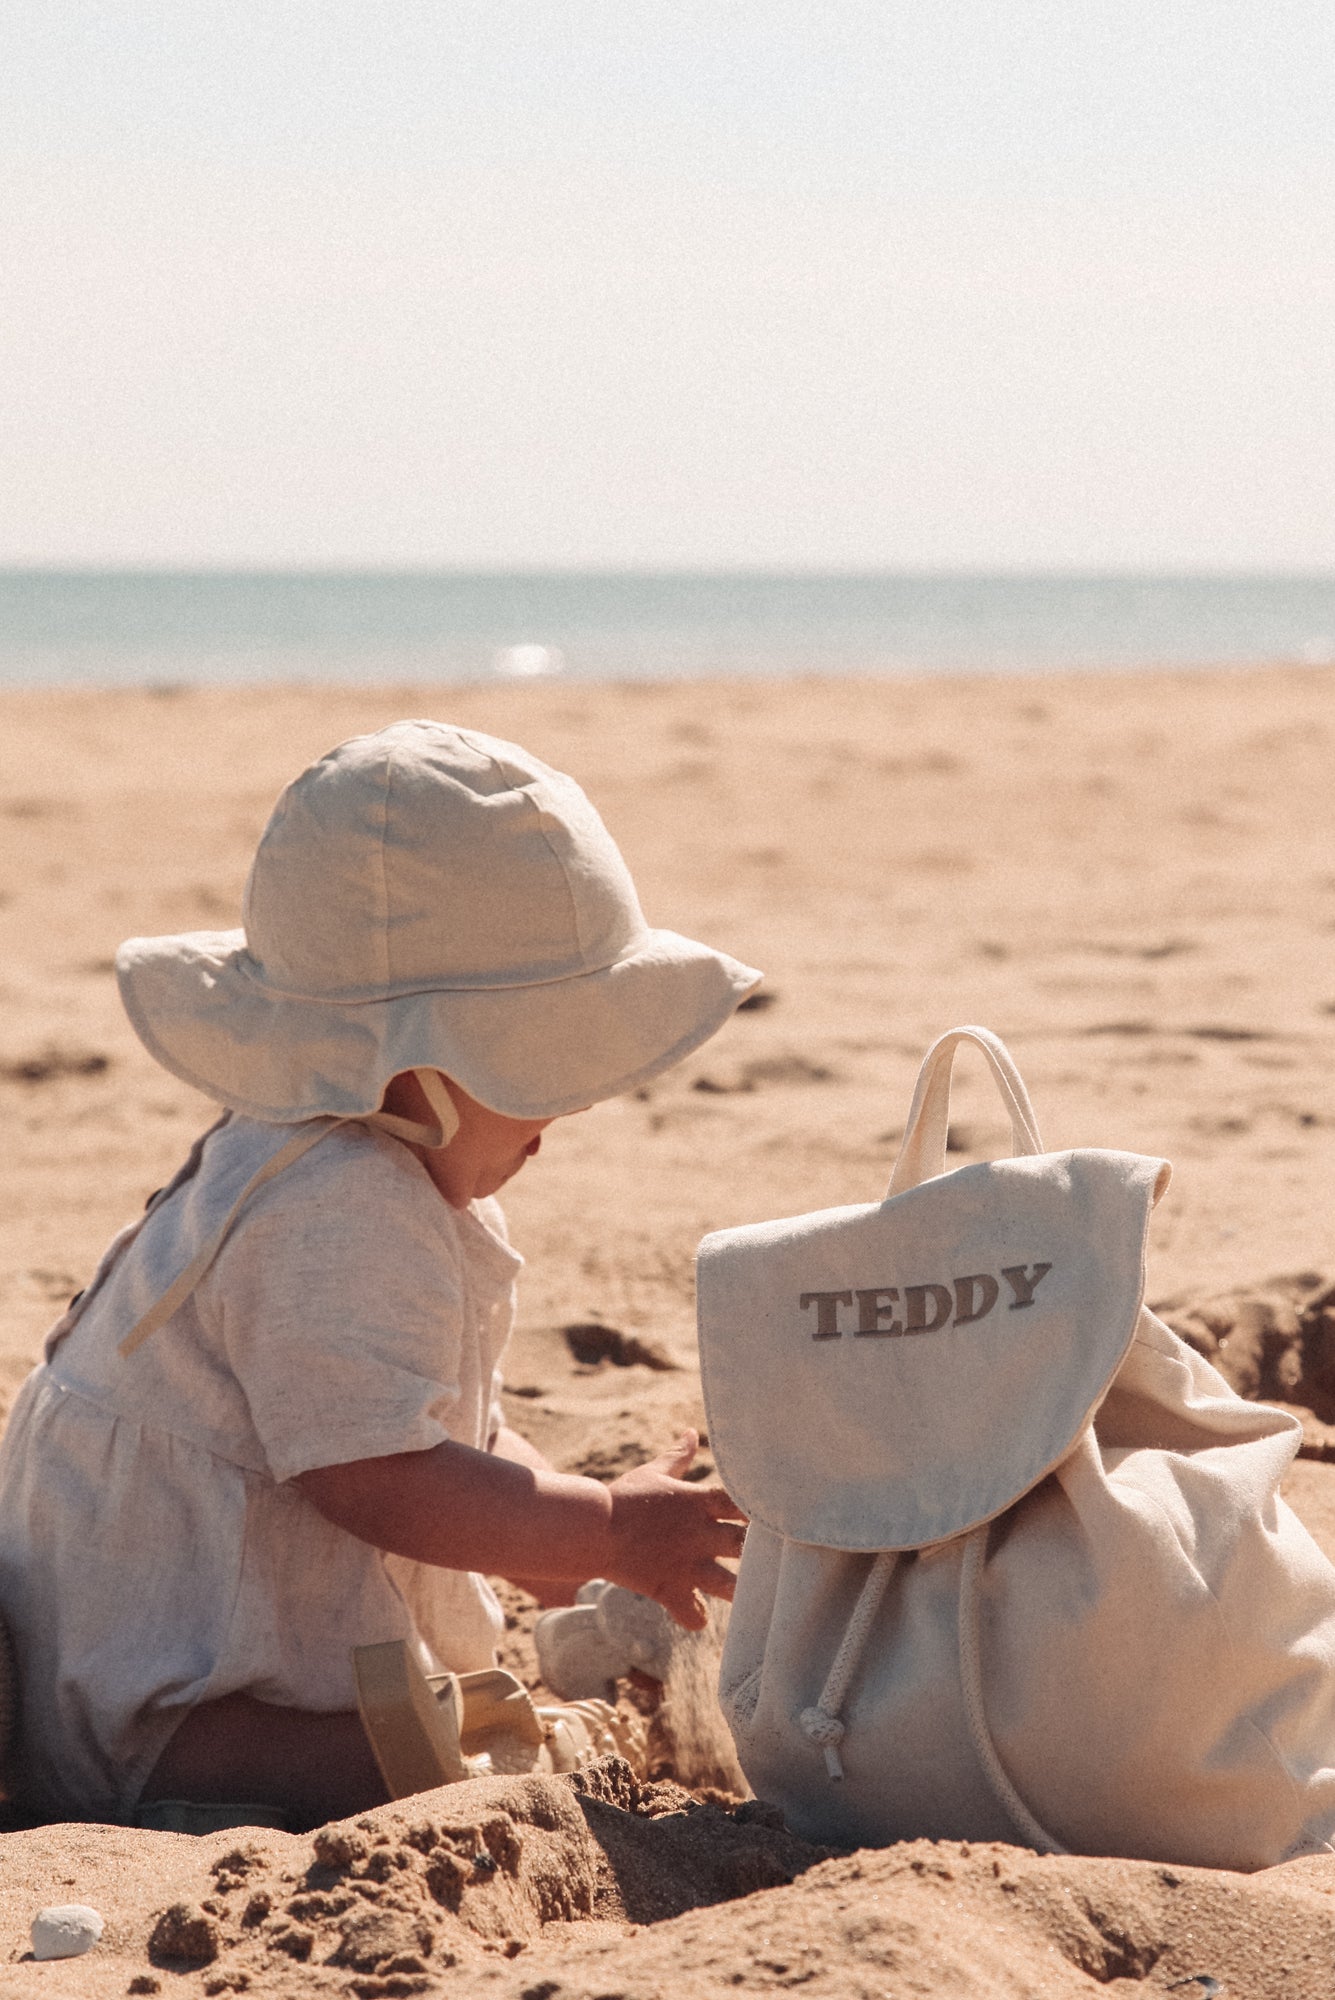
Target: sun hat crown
427 856
428 898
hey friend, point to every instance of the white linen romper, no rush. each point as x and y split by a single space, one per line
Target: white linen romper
153 1551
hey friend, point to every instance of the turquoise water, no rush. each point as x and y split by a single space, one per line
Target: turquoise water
123 628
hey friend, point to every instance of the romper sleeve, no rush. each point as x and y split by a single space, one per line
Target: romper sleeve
343 1311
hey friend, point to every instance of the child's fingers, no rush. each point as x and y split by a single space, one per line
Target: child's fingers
716 1581
677 1458
684 1598
721 1538
686 1605
721 1504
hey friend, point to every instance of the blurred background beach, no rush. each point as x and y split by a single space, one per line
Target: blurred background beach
128 628
633 341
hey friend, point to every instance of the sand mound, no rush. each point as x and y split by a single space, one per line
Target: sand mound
393 1901
599 1888
1274 1342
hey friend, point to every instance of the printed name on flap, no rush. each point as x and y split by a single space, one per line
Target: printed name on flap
927 1308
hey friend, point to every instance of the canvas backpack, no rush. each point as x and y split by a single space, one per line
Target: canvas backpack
1017 1567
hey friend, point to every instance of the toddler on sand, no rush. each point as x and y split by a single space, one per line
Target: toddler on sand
270 1430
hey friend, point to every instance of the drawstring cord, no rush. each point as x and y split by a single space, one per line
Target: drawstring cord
971 1682
822 1723
433 1137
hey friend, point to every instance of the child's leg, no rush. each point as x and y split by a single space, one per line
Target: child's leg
314 1767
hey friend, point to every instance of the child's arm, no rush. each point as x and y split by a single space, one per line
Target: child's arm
465 1509
549 1591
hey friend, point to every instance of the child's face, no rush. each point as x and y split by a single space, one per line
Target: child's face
487 1150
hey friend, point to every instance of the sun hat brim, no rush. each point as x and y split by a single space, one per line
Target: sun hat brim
201 1006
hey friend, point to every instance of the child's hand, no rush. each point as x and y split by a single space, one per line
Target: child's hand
667 1535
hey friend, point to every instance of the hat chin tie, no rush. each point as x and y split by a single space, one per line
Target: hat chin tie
434 1137
442 1106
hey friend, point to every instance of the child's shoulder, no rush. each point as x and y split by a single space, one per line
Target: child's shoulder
353 1176
355 1199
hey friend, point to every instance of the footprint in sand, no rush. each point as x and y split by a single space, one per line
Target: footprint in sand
52 1063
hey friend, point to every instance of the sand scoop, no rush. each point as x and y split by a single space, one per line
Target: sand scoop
428 1730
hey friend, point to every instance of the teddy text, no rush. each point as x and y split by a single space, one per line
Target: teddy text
878 1310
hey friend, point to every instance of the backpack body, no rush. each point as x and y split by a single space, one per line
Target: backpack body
1017 1566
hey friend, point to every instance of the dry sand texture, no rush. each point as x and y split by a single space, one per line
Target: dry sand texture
1131 879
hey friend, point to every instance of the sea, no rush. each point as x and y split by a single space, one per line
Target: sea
176 628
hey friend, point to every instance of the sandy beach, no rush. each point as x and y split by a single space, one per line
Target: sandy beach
1131 879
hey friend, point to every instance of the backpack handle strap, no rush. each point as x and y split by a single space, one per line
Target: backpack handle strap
922 1155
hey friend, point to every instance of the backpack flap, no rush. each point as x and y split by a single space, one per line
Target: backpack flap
888 1376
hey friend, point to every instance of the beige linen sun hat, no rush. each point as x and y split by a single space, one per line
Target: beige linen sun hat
428 897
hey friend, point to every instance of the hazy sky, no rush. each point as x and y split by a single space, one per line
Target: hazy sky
999 283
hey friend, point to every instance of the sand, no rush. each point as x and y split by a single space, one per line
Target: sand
1131 879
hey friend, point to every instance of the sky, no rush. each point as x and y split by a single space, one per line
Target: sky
991 284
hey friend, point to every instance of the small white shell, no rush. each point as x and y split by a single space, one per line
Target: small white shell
63 1930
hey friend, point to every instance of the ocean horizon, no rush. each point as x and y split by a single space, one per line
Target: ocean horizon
126 627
